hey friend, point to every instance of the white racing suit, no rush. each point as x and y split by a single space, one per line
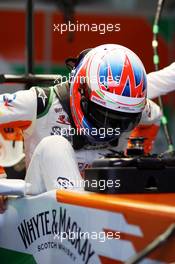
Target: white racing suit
50 159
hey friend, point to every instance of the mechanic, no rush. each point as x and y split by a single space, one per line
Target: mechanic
159 83
106 99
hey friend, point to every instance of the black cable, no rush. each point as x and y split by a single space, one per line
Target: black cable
156 60
157 242
68 8
29 37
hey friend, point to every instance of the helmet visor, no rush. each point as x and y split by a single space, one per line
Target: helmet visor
101 117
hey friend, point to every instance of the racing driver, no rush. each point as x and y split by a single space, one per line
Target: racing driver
67 126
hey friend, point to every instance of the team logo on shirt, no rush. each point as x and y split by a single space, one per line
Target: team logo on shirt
58 109
62 119
6 101
42 95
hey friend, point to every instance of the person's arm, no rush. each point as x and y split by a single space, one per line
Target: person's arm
151 114
149 125
161 82
18 109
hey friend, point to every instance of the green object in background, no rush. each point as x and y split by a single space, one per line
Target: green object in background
8 256
166 28
39 69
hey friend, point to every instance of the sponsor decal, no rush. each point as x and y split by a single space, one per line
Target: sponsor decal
62 119
42 95
58 110
56 130
95 99
64 182
44 224
7 100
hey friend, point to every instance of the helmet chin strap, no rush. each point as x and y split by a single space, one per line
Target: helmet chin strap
63 93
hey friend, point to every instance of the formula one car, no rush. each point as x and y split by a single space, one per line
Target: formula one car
127 217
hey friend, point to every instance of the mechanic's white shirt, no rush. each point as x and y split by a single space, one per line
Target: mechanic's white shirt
161 82
20 109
